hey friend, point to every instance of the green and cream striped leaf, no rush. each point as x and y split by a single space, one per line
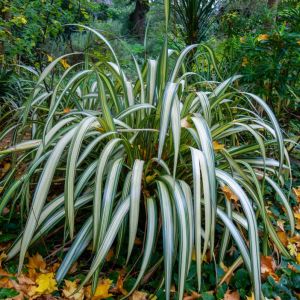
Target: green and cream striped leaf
135 195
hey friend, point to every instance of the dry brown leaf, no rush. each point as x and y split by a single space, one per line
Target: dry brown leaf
54 267
291 267
70 289
47 297
230 196
297 193
37 263
193 296
138 241
119 289
2 258
137 295
73 268
280 224
231 295
283 237
109 255
268 267
23 280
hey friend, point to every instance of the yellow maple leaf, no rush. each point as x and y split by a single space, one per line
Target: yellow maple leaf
70 292
298 258
102 290
217 146
46 284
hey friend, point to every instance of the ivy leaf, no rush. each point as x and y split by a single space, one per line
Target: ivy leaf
7 293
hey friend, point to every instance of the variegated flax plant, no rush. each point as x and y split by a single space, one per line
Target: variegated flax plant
169 147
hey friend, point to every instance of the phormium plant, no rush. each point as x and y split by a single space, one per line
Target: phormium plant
168 146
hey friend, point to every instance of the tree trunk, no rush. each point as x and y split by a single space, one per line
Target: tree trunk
137 19
273 4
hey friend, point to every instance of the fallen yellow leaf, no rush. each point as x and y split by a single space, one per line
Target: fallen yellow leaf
297 216
283 237
46 284
36 262
102 290
297 193
70 289
217 146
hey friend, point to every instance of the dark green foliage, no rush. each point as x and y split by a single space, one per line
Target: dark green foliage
28 27
7 293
